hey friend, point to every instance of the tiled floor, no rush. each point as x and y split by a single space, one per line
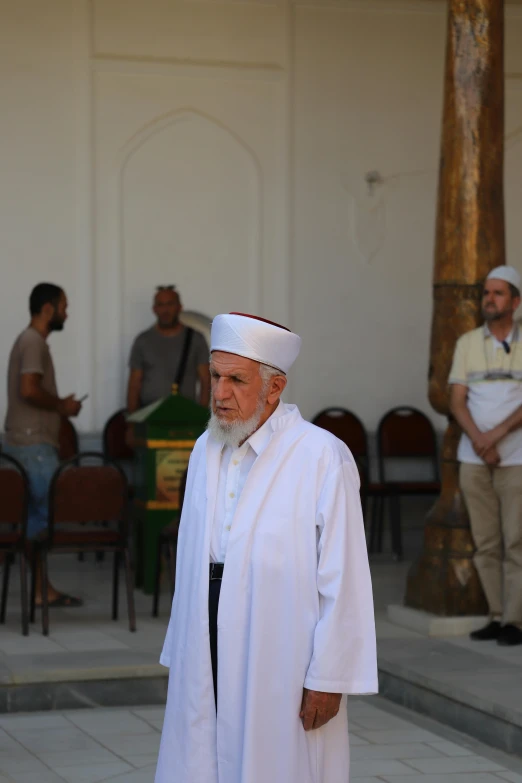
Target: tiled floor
86 746
86 644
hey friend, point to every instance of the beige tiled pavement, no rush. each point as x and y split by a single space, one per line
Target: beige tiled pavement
388 745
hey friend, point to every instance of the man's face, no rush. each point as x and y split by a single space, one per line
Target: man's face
236 387
498 300
167 307
58 314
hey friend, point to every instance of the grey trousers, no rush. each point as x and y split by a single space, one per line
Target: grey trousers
493 497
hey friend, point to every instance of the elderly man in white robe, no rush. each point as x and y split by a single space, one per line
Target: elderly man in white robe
272 620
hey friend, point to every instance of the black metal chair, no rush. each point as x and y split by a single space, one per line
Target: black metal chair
14 496
115 446
67 440
346 426
404 433
88 512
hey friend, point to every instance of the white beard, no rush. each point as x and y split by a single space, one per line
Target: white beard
234 433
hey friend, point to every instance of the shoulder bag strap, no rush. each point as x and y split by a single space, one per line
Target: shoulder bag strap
180 374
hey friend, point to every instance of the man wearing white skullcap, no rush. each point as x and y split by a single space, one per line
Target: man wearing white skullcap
272 620
486 400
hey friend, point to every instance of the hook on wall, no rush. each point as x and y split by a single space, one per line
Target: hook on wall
372 179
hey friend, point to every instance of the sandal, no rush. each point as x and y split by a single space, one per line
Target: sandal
64 600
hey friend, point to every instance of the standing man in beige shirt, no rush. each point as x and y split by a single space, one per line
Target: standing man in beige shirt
34 410
486 400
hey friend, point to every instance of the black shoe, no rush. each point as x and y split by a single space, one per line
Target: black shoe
509 636
491 631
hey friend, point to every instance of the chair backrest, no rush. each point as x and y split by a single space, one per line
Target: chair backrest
14 494
67 439
405 432
346 426
88 488
114 445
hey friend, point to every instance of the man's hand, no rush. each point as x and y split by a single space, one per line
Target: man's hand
317 708
69 407
486 441
492 457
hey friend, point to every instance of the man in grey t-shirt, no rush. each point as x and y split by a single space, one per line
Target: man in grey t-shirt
34 410
157 354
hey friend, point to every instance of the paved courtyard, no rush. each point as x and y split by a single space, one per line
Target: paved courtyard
89 660
389 745
86 645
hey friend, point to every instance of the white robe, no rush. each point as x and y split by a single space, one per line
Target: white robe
295 610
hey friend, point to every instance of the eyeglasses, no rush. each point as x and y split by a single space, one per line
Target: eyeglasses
165 288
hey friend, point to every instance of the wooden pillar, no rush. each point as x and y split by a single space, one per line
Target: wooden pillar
470 241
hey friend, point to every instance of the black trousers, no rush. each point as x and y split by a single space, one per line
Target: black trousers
214 589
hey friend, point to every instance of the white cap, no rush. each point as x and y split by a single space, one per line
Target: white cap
507 273
255 338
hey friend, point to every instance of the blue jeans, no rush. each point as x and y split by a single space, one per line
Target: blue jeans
40 462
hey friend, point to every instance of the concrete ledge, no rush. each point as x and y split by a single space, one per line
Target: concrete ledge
432 625
54 695
506 706
484 726
78 674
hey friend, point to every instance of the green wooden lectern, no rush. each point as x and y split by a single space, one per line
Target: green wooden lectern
165 433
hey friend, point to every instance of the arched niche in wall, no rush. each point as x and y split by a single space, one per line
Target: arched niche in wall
190 215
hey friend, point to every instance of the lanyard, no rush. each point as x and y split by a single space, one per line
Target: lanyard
500 374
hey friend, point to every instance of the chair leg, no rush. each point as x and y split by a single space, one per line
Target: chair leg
375 521
32 615
380 522
371 530
115 585
395 524
157 580
23 594
45 587
5 586
100 554
130 593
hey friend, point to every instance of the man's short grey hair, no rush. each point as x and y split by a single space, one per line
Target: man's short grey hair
267 372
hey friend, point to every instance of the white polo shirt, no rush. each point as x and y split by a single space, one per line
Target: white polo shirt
233 472
494 380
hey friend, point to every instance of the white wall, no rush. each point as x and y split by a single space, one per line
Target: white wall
368 89
37 161
223 146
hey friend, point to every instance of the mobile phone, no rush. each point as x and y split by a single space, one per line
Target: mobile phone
82 399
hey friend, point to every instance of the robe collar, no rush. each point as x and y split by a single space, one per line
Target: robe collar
260 439
287 416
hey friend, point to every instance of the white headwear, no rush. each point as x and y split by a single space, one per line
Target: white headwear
507 273
255 338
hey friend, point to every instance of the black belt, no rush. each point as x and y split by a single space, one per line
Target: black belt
216 571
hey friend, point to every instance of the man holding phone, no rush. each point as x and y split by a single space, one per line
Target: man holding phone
34 410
